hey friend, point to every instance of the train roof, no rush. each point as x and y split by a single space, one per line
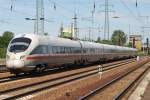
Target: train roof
70 43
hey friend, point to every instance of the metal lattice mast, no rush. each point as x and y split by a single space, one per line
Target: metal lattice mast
106 28
106 25
75 26
39 17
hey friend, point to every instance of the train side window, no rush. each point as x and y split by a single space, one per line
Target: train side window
71 51
37 50
84 50
49 49
44 49
61 50
58 49
66 50
54 49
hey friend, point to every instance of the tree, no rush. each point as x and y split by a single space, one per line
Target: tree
3 52
5 39
106 42
118 38
1 42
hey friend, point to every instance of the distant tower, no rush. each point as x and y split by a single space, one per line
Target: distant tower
39 17
106 30
61 30
71 30
106 25
75 26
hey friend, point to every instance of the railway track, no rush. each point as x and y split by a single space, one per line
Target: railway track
105 67
3 68
28 89
134 84
112 85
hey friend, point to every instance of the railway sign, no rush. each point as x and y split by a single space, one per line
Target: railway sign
100 70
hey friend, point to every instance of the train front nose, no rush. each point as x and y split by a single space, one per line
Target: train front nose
13 61
14 64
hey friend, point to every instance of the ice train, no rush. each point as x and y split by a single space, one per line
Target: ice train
30 52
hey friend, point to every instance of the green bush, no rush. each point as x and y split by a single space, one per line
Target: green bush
2 52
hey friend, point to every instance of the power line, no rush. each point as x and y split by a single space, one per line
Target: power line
24 13
6 22
59 5
130 11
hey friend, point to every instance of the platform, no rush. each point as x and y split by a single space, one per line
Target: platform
142 92
146 95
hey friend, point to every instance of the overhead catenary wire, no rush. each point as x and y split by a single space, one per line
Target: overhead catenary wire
130 11
69 10
56 5
137 8
24 13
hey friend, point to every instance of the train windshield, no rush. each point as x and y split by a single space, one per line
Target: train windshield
19 44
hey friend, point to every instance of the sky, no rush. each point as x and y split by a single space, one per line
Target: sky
131 18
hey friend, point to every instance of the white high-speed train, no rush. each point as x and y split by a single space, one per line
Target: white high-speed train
32 52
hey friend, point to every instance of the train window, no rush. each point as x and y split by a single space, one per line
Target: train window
68 50
19 44
42 49
58 50
92 50
84 50
77 50
71 50
63 50
18 48
54 49
22 39
50 49
37 50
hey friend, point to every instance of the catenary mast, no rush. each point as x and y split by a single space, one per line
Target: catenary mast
39 29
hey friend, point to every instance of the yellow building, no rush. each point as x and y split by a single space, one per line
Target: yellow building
136 41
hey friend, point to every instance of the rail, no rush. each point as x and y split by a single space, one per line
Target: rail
116 78
125 90
39 86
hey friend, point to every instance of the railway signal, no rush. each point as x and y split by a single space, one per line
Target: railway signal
147 44
100 71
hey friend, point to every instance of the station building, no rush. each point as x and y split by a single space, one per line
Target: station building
136 41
